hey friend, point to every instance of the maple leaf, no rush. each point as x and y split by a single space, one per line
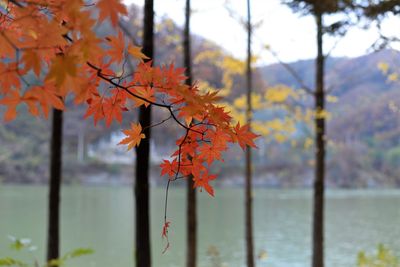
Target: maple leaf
169 168
165 229
244 137
8 78
11 102
136 52
174 75
146 93
62 65
46 96
117 43
95 108
112 109
218 138
211 153
134 134
111 9
165 234
202 179
32 61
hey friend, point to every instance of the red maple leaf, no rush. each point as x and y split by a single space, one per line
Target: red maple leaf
201 178
210 153
244 136
169 168
165 235
95 108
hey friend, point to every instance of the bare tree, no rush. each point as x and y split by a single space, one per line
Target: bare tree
191 223
53 227
248 174
142 190
319 8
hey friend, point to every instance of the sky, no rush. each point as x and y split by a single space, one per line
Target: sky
290 35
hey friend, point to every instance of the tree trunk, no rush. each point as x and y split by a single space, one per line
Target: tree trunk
53 230
248 189
318 219
191 223
142 199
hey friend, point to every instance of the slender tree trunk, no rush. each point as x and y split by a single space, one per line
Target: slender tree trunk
318 219
248 189
53 230
142 192
191 223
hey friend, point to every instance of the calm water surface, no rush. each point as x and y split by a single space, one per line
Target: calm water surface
102 218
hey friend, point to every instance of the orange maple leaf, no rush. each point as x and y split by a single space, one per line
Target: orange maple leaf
112 109
46 97
11 101
244 136
211 152
134 134
32 61
95 108
111 9
117 43
146 93
61 67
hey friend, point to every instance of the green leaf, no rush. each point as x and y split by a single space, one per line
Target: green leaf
78 253
56 263
19 243
12 262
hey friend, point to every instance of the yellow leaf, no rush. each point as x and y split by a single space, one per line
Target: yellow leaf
384 67
278 94
308 143
322 114
393 77
136 52
240 102
331 99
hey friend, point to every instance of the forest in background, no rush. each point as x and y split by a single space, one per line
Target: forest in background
363 129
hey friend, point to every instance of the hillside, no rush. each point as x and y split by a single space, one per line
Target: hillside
364 127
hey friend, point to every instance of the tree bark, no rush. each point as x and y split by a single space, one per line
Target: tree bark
53 230
191 223
248 173
142 192
318 217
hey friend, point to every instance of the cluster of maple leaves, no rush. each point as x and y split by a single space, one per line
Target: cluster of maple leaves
50 50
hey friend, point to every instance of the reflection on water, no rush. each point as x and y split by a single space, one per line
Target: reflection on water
102 218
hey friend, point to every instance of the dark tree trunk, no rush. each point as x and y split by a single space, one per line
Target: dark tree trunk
53 230
248 189
318 219
142 192
191 256
191 223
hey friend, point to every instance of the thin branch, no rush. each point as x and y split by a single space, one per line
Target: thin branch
158 123
126 89
292 72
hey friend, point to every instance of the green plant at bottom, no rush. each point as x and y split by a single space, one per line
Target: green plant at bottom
20 244
384 257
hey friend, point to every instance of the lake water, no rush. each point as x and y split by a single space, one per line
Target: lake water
102 218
